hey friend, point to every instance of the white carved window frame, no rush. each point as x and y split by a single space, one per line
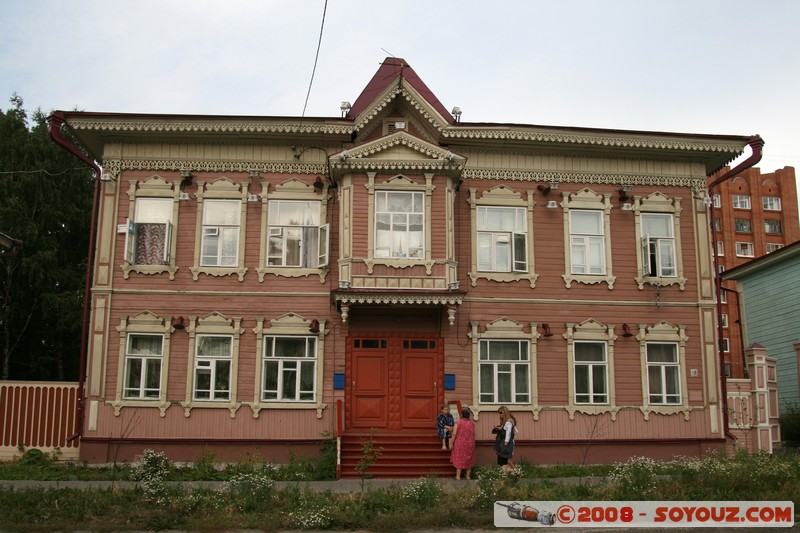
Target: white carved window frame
290 324
657 203
154 187
149 324
212 324
666 333
587 199
591 331
504 329
400 183
292 189
220 189
501 196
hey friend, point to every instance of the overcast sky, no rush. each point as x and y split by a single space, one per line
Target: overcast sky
694 66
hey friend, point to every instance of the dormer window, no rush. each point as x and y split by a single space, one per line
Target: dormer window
395 125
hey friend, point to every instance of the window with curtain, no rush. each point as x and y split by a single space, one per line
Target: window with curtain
220 242
148 238
290 369
143 358
587 241
212 367
663 373
591 372
399 225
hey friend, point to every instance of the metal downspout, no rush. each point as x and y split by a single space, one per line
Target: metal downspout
756 144
54 125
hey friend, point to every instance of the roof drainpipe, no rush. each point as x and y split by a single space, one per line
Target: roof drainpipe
756 144
54 124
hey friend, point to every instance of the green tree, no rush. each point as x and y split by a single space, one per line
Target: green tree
45 201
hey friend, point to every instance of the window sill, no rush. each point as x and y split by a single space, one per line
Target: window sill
148 270
504 277
592 409
218 271
660 282
258 406
210 404
159 403
589 279
399 263
292 272
666 410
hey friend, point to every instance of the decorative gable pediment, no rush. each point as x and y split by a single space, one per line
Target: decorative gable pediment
398 151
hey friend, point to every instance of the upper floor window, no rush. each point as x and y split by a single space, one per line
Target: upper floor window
745 249
296 238
212 366
773 227
658 245
717 223
741 201
720 248
143 358
289 369
220 244
771 203
504 371
663 373
724 319
717 200
587 242
502 239
743 225
149 235
399 224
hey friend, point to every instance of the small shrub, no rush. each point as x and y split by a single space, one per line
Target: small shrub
636 479
790 424
423 493
151 472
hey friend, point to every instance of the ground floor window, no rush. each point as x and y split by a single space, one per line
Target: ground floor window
290 369
504 367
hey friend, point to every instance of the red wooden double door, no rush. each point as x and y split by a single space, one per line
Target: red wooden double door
393 382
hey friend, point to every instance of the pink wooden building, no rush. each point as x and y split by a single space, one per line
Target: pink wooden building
260 281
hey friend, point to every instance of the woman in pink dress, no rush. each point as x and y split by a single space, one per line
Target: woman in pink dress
463 443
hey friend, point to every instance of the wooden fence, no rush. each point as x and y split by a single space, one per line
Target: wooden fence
38 415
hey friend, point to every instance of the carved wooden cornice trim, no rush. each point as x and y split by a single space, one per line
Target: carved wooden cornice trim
208 126
582 177
113 167
599 139
399 299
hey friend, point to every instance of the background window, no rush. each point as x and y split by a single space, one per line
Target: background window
504 368
724 320
726 345
143 366
771 203
502 239
148 238
399 224
745 249
663 373
658 245
220 245
717 200
591 373
720 248
212 378
773 227
289 369
743 225
296 238
587 242
741 201
772 246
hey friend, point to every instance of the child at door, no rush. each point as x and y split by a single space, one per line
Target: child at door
445 423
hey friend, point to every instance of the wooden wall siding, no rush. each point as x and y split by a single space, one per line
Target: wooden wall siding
218 152
38 415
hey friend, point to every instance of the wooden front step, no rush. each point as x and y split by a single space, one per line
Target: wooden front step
402 455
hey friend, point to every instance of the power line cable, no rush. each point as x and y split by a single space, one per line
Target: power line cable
316 57
37 171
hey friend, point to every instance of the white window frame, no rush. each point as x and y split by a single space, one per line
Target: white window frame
505 242
655 205
745 249
500 330
771 203
212 364
158 189
590 332
747 227
741 201
310 238
717 199
149 324
724 319
400 245
778 224
587 200
664 333
285 373
294 190
720 248
665 370
222 189
502 197
222 232
212 325
498 368
591 396
145 362
726 345
289 325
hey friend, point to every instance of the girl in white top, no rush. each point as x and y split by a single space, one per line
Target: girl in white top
507 427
